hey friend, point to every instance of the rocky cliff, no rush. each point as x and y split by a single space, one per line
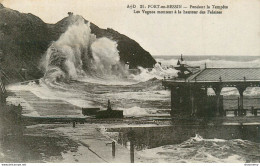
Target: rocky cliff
24 38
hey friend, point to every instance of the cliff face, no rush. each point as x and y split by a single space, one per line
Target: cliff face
24 38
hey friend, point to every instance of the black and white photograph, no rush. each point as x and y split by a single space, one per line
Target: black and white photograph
130 81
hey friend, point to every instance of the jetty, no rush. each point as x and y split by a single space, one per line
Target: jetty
189 95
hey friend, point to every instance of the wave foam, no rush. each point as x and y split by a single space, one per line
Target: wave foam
214 63
198 149
137 111
79 54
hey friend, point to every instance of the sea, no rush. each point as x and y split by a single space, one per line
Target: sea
71 75
144 96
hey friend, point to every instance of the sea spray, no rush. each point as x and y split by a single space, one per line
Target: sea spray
78 53
213 63
63 59
199 149
106 58
157 72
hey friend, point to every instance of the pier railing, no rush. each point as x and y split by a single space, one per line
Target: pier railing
251 106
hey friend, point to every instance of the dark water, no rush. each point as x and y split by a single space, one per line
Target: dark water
195 143
152 137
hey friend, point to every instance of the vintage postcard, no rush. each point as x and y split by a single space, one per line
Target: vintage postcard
130 81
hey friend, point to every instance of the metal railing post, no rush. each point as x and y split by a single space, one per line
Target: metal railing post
132 158
113 149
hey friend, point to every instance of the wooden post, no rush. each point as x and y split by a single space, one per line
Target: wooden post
241 100
252 110
172 99
217 90
258 133
241 90
192 101
25 73
74 124
131 137
132 157
218 104
113 149
238 104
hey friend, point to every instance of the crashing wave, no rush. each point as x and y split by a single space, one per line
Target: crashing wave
78 53
199 149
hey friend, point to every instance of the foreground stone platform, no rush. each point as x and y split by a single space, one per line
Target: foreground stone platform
34 106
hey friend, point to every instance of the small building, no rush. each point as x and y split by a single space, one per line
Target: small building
109 113
101 114
90 111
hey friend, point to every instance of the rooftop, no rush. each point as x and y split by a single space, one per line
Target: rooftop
227 74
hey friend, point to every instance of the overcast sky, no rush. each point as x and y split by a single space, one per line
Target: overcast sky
235 32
